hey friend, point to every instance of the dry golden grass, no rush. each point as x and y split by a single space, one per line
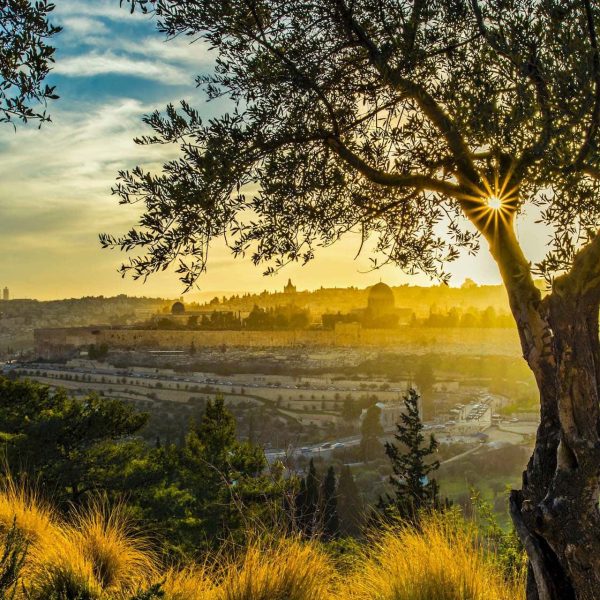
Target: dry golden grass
443 561
284 570
97 556
20 505
121 560
189 583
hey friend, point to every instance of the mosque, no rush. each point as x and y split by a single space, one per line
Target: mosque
381 310
380 313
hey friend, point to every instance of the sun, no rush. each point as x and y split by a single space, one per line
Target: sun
494 202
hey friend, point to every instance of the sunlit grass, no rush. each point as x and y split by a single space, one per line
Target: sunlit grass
121 560
97 555
444 560
284 570
190 583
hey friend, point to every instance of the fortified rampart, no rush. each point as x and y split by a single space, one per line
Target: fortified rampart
51 343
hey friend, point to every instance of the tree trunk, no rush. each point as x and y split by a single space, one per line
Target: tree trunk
556 514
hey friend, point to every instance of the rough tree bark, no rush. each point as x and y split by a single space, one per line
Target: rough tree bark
556 512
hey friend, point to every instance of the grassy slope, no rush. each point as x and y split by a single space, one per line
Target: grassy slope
96 555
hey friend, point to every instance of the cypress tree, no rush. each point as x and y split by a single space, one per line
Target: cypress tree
349 504
329 514
414 489
370 431
307 501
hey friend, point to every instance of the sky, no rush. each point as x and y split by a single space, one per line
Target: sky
55 183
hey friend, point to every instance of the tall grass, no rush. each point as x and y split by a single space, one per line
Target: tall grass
443 560
284 570
97 555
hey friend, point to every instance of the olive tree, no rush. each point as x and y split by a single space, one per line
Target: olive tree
428 126
25 60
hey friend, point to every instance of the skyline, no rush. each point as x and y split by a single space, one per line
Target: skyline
111 69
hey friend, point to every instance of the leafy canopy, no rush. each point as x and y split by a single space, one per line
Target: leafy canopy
25 60
399 119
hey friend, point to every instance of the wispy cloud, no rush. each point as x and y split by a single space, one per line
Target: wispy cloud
82 26
95 63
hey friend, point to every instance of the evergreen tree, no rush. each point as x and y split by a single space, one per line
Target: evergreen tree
349 504
414 489
370 430
216 432
307 501
329 514
424 380
350 410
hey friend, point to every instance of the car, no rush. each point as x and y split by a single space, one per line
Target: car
338 446
305 450
326 445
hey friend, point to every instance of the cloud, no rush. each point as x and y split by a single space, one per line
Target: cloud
95 63
78 26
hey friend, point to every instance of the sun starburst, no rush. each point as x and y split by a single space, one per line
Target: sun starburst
493 203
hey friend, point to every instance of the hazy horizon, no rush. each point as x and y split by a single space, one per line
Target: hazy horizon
201 296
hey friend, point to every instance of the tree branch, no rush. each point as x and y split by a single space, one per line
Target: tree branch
592 129
264 42
418 181
467 173
532 71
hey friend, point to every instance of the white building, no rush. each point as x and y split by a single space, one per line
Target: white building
389 413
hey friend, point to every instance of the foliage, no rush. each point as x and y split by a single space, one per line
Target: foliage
350 506
25 59
441 560
97 352
12 561
193 495
307 516
507 548
414 489
371 124
154 592
286 570
370 430
445 559
329 505
68 444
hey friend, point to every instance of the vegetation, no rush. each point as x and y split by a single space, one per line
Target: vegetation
189 494
370 432
25 60
97 554
414 488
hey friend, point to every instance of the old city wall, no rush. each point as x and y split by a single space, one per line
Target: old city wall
409 339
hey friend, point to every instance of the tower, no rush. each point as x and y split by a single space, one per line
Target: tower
5 294
290 288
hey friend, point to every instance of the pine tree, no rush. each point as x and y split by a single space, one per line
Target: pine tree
349 504
329 515
216 432
414 489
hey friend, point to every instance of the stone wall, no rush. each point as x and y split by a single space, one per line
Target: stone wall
54 342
